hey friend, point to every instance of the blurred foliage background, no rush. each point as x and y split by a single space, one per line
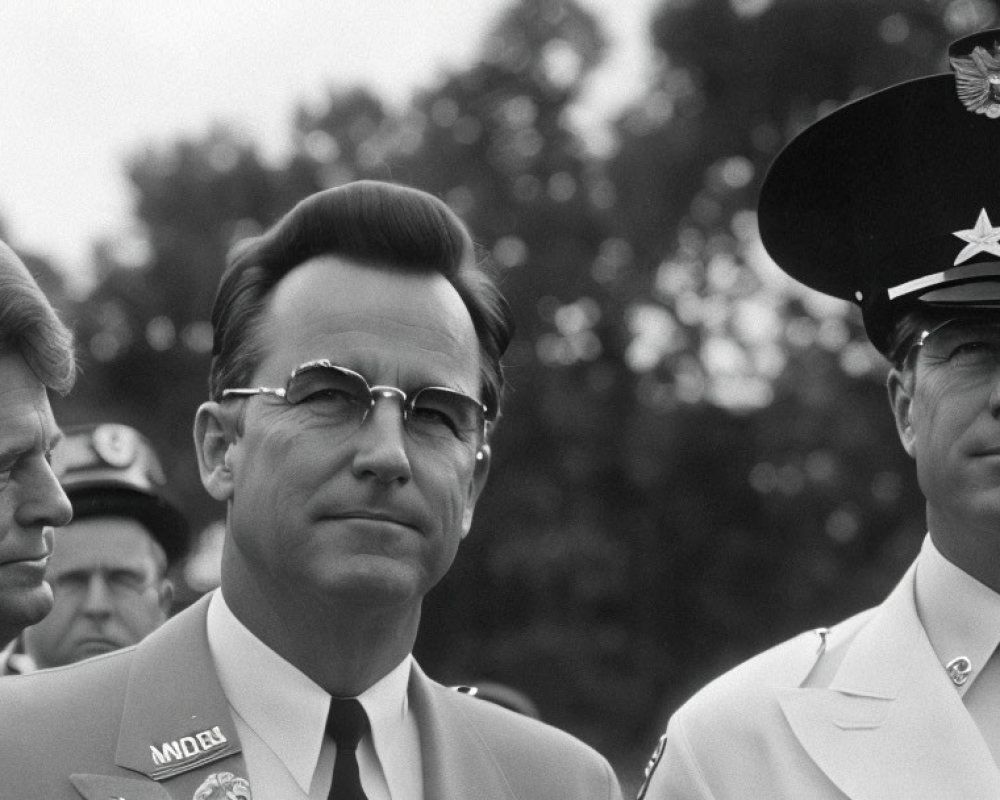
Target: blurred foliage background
697 458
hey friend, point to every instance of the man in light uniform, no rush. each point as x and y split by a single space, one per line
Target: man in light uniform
889 202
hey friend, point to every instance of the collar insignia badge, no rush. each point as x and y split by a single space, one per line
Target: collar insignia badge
983 238
959 670
661 747
223 786
977 79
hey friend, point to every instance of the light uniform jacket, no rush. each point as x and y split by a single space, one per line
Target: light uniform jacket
152 722
864 711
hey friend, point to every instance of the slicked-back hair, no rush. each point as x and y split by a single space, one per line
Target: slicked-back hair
370 222
30 326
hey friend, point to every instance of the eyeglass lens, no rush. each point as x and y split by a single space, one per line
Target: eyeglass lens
346 398
965 343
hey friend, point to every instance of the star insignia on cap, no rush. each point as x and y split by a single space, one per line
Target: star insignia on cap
984 238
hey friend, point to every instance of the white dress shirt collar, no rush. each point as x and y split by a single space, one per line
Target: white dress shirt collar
286 708
960 615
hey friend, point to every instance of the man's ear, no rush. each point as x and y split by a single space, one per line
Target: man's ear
166 596
480 472
900 385
214 434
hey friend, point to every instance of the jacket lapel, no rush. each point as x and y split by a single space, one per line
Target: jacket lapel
891 723
114 787
456 761
176 728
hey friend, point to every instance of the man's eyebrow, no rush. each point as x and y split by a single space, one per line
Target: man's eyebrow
26 439
131 571
75 572
16 443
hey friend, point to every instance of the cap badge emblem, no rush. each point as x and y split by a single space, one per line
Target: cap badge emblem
977 78
115 444
983 238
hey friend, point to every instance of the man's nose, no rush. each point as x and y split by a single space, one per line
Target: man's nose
381 442
97 600
43 502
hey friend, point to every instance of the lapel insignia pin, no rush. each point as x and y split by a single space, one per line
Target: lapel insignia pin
823 633
661 747
223 786
983 238
977 78
959 669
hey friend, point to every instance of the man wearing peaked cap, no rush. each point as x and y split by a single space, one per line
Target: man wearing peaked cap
109 569
893 203
108 466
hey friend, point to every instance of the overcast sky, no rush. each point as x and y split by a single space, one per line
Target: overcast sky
82 85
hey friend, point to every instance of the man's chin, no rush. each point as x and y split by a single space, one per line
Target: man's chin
94 647
21 607
373 581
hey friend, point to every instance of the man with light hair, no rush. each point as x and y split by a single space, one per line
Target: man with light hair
36 354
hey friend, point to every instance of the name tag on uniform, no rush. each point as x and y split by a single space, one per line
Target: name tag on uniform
185 752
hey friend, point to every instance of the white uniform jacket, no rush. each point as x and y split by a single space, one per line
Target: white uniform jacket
864 711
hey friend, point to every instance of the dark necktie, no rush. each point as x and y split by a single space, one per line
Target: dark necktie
346 724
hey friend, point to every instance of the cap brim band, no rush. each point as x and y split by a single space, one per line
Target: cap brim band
966 275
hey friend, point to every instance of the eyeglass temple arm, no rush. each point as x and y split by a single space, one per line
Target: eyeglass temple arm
250 392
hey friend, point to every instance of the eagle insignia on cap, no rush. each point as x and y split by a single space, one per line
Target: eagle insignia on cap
977 77
984 238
